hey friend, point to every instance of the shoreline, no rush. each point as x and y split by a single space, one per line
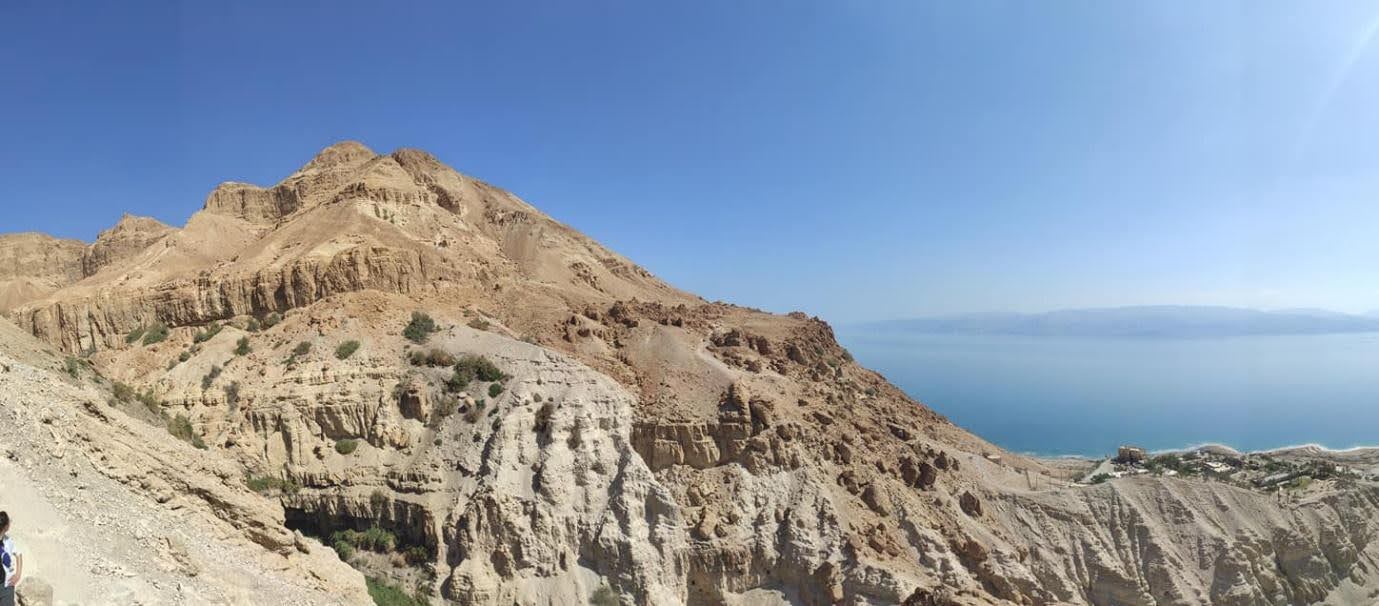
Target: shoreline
1309 447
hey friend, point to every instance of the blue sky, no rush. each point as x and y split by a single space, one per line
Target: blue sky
858 160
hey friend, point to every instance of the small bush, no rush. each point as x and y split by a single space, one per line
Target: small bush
209 379
385 594
74 367
417 554
184 356
181 428
123 393
271 320
434 357
346 447
252 325
494 389
604 596
479 324
302 348
134 335
242 347
420 328
473 367
232 393
1100 478
270 484
345 551
346 349
205 335
374 539
156 334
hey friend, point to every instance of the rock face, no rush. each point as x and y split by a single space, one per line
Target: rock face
110 510
635 440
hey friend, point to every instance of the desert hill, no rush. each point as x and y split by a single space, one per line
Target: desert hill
479 405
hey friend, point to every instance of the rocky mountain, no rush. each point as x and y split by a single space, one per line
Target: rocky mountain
474 404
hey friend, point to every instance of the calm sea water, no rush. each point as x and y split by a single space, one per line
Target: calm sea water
1052 395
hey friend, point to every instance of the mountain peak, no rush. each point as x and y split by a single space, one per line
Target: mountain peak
344 152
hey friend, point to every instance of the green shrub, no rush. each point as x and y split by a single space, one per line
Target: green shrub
181 428
344 550
184 356
1100 478
270 484
434 357
252 325
346 349
209 379
345 447
472 367
271 320
150 401
385 594
156 334
420 328
205 335
417 554
123 393
302 348
604 596
232 393
494 389
242 347
134 335
479 324
374 539
74 365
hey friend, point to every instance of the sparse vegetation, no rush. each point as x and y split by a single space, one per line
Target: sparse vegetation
300 350
122 392
433 357
209 378
385 594
420 328
232 394
156 334
252 325
346 349
1101 478
184 356
242 347
270 320
604 596
374 539
346 447
205 335
494 389
344 550
472 367
74 366
181 428
134 335
479 324
270 484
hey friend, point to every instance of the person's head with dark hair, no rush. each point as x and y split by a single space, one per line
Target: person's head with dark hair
4 522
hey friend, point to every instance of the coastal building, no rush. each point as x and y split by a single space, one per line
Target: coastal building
1131 454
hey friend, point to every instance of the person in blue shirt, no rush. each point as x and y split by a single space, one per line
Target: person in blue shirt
10 560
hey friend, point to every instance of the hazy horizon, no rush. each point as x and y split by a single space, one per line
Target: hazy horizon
858 161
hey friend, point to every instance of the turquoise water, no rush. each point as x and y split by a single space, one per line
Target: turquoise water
1055 395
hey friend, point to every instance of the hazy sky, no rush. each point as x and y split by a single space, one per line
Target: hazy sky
857 160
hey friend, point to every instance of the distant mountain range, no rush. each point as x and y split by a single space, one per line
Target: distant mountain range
1143 321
